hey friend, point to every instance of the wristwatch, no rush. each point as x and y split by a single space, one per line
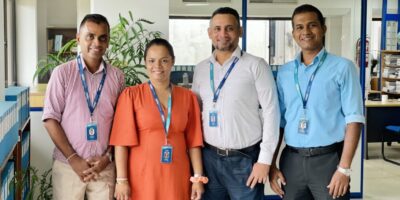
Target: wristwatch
344 171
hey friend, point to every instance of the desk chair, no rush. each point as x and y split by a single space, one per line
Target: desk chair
390 132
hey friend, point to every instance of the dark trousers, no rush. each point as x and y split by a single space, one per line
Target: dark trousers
307 177
228 175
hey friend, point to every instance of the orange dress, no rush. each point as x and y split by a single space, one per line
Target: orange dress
137 124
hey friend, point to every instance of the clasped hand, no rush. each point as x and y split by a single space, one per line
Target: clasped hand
88 170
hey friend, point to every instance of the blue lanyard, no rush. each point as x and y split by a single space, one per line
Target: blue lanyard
167 122
85 87
296 79
221 84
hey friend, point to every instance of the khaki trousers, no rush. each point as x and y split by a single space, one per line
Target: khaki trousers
67 185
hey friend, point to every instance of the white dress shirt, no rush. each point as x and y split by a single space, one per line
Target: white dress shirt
249 85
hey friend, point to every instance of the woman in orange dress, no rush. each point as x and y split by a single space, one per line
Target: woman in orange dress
157 135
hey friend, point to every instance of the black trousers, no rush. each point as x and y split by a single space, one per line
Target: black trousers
307 177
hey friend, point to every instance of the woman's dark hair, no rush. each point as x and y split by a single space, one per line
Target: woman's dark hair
160 42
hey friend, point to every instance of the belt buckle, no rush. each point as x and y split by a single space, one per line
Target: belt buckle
307 152
310 152
223 152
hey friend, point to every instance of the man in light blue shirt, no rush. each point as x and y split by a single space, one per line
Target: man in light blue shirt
321 105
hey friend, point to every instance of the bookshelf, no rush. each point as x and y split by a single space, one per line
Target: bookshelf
56 38
390 80
8 143
14 142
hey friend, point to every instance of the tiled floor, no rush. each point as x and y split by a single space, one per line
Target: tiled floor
381 178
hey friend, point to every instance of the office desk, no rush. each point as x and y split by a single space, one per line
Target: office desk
379 115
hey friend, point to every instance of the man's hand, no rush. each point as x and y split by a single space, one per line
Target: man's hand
276 180
97 164
79 165
339 185
258 175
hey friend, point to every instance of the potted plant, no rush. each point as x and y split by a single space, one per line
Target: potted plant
128 40
40 184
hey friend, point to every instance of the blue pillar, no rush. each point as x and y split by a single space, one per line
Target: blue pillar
244 24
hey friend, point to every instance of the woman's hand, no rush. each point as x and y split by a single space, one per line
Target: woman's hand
197 191
122 191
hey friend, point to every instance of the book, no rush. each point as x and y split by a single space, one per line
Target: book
58 42
50 45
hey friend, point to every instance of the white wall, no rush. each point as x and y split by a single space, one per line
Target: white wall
10 40
61 13
82 9
41 145
27 55
2 60
41 28
335 26
153 10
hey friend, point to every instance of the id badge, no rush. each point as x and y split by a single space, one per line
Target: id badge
166 154
213 118
303 125
91 132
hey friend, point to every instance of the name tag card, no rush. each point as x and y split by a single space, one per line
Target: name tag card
91 132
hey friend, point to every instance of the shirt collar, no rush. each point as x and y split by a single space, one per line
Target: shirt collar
237 53
85 68
316 59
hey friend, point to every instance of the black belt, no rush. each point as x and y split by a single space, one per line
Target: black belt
232 152
315 151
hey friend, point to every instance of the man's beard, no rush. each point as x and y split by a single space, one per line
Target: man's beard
229 47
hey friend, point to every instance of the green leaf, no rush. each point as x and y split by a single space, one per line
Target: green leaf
128 40
130 15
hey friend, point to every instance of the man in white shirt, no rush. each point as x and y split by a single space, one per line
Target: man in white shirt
231 85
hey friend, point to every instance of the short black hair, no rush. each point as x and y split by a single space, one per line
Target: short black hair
160 42
96 18
229 11
309 8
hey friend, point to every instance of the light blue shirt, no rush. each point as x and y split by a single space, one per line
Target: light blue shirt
335 100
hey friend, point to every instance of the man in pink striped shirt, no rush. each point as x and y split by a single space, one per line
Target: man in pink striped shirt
78 113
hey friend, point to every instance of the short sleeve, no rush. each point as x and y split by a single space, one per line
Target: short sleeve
194 134
124 132
351 96
54 102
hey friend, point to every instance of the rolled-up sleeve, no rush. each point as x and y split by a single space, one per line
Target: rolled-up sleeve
54 102
351 96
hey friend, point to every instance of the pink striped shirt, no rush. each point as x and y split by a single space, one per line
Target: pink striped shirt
65 102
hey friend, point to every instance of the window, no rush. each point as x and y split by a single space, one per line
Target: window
190 40
270 39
